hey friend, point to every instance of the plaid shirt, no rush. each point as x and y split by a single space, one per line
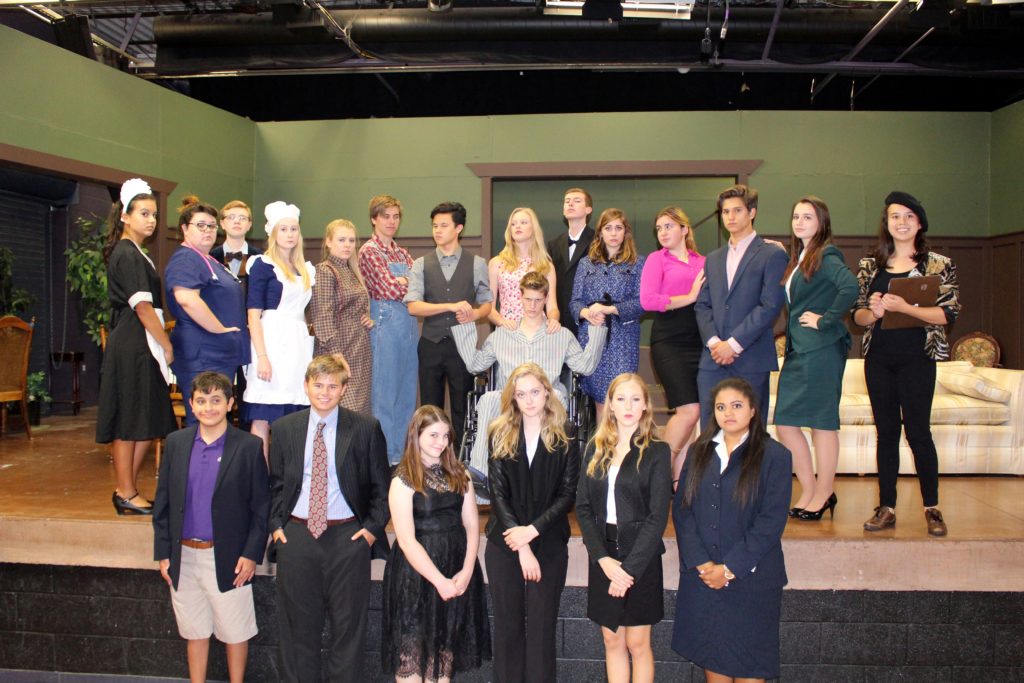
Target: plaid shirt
374 258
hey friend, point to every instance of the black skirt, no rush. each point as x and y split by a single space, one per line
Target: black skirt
676 348
642 605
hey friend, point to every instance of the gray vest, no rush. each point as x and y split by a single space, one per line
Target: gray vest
437 290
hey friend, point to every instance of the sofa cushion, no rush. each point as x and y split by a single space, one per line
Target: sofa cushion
855 409
951 409
947 409
975 386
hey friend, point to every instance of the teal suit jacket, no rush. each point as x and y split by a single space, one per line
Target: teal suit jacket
830 293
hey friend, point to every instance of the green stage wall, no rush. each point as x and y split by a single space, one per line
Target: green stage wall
1007 170
958 164
851 159
58 102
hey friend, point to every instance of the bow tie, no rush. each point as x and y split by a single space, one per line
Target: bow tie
234 256
572 242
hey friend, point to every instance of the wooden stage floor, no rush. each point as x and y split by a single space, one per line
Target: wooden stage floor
55 508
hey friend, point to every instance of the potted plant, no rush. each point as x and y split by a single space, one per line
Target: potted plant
87 275
13 300
37 396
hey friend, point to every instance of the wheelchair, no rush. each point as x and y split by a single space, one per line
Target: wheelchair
580 411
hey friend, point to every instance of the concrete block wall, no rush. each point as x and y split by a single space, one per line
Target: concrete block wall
119 621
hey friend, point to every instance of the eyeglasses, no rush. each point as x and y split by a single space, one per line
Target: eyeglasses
204 227
240 217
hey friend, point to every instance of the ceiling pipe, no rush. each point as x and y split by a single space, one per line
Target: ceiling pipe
366 27
898 59
732 65
771 31
893 11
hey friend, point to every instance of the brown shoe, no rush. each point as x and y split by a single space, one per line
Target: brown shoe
936 527
883 518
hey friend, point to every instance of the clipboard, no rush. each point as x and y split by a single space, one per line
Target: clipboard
917 291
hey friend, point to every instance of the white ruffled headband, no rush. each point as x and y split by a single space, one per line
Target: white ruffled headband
276 211
132 189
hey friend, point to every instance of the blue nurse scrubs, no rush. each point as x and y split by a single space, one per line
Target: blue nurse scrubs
195 349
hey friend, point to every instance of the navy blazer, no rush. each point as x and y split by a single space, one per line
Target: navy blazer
362 463
745 538
642 499
748 309
241 503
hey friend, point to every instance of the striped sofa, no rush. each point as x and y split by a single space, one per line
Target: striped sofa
977 421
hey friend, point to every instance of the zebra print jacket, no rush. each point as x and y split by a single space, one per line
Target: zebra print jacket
936 344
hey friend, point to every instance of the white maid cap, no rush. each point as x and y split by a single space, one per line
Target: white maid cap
133 188
276 211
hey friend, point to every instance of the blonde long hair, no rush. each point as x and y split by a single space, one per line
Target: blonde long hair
504 430
411 466
353 259
606 438
540 261
298 260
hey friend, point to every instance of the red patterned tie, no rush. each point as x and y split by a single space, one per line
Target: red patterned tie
317 521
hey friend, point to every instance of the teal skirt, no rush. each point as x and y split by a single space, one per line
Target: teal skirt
810 386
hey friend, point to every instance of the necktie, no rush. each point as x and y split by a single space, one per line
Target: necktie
233 256
317 521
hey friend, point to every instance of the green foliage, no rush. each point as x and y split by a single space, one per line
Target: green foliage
87 275
13 300
37 387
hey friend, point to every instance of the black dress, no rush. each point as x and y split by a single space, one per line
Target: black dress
134 403
422 635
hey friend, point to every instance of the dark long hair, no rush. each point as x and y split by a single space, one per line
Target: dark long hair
704 449
885 247
115 227
821 239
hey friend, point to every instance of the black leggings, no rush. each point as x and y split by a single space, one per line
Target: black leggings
903 385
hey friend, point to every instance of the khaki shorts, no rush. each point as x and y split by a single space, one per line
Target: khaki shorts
202 610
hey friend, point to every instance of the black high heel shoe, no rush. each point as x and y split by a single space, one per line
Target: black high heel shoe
125 506
795 512
812 516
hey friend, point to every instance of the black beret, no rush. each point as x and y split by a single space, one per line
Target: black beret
907 200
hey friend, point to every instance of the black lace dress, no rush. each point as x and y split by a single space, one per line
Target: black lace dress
422 634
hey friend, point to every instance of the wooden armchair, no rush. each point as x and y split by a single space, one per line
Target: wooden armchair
15 343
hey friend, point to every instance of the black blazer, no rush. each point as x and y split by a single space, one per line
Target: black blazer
642 499
565 271
515 502
218 253
361 459
715 528
241 503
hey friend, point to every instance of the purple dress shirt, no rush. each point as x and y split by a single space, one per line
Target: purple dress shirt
203 465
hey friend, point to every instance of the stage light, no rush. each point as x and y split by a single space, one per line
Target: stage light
630 9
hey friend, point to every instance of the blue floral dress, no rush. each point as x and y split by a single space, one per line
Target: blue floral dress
615 284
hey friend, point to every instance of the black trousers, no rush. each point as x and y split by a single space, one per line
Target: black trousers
901 388
525 615
329 576
441 364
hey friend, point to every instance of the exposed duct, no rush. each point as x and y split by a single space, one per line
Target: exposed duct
745 24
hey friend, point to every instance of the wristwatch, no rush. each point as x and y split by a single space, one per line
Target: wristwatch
729 576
